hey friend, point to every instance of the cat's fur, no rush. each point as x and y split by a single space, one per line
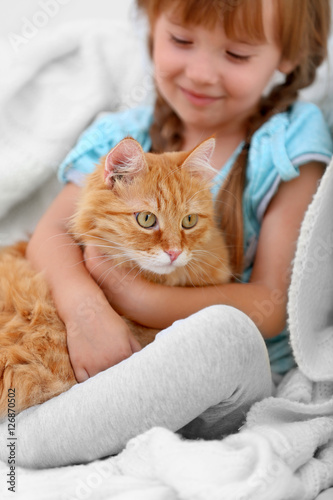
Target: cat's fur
33 352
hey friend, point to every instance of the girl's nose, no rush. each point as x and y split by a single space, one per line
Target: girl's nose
202 69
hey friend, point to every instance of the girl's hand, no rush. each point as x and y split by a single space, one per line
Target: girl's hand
125 290
97 337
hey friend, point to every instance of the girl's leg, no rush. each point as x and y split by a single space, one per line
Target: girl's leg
215 359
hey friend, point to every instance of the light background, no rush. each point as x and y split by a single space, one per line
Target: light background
13 13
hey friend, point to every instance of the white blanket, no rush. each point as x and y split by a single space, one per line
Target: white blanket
51 90
285 450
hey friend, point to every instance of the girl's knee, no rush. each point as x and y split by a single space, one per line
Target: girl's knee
236 336
222 334
225 321
224 329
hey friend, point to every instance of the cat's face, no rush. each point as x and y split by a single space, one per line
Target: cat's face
154 212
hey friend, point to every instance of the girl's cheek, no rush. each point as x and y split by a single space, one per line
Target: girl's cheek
166 66
243 81
238 82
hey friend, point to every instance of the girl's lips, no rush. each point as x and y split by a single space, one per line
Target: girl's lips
198 99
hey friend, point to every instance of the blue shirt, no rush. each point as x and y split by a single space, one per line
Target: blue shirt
278 148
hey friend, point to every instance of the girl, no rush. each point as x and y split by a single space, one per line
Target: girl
213 61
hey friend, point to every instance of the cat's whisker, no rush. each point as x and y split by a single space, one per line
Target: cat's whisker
57 236
198 192
201 250
197 259
89 235
103 259
103 256
225 246
74 243
210 254
73 233
197 253
114 255
67 245
105 273
109 241
106 257
102 246
113 267
215 267
189 265
130 270
231 275
127 259
210 265
139 271
202 273
171 173
229 192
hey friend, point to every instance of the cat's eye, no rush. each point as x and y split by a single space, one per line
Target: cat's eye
146 219
190 221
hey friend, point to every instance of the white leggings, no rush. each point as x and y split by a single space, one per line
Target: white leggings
199 378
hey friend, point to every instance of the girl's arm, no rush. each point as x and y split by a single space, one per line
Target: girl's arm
97 337
263 299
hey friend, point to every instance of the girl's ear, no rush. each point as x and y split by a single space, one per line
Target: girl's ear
124 162
287 66
198 161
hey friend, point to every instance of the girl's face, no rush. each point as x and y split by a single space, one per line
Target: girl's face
212 82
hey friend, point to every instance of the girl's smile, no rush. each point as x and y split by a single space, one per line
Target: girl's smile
199 99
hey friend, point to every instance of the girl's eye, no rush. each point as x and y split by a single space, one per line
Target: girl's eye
179 41
237 57
190 221
146 219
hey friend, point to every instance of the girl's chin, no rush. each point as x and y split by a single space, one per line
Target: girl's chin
201 118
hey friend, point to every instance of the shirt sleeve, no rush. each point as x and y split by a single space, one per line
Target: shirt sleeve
284 143
307 138
104 133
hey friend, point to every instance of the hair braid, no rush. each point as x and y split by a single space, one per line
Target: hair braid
166 132
229 198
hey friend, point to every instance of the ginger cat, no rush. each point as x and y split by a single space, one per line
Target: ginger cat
150 212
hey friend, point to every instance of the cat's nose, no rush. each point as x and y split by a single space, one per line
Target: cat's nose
173 254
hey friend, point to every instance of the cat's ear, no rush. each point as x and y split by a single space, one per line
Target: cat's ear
124 162
198 161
